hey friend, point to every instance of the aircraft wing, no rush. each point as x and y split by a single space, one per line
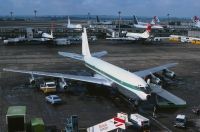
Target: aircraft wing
90 79
146 72
169 97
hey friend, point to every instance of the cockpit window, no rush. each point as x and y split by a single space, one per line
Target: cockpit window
145 89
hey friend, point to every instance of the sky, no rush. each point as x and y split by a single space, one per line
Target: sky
176 8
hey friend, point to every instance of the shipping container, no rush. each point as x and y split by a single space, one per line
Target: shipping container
16 118
37 125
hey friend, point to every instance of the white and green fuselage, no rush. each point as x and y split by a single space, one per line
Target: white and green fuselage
130 83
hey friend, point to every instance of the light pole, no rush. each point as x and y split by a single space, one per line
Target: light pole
88 16
35 12
11 14
119 21
168 17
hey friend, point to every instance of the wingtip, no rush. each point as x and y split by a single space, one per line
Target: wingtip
60 53
6 69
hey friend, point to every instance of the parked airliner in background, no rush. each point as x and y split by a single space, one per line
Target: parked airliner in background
47 35
73 26
130 84
155 23
43 38
137 36
130 36
196 21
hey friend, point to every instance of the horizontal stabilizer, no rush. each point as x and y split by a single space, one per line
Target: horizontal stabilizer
99 54
71 55
80 57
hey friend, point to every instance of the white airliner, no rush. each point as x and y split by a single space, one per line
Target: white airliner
48 36
196 21
14 40
130 84
137 36
155 23
130 36
73 26
44 36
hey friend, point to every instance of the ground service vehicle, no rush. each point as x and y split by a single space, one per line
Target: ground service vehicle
180 121
140 121
48 87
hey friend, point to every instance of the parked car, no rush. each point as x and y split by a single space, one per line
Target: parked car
53 99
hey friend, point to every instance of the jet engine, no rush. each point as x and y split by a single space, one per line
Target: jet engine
153 79
32 80
168 73
63 84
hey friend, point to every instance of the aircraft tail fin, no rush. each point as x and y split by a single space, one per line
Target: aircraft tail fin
155 20
148 29
135 20
195 19
68 21
146 34
52 33
85 45
52 27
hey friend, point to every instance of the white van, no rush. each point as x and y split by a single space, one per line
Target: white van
140 120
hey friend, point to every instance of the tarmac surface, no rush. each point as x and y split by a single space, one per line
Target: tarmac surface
94 104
